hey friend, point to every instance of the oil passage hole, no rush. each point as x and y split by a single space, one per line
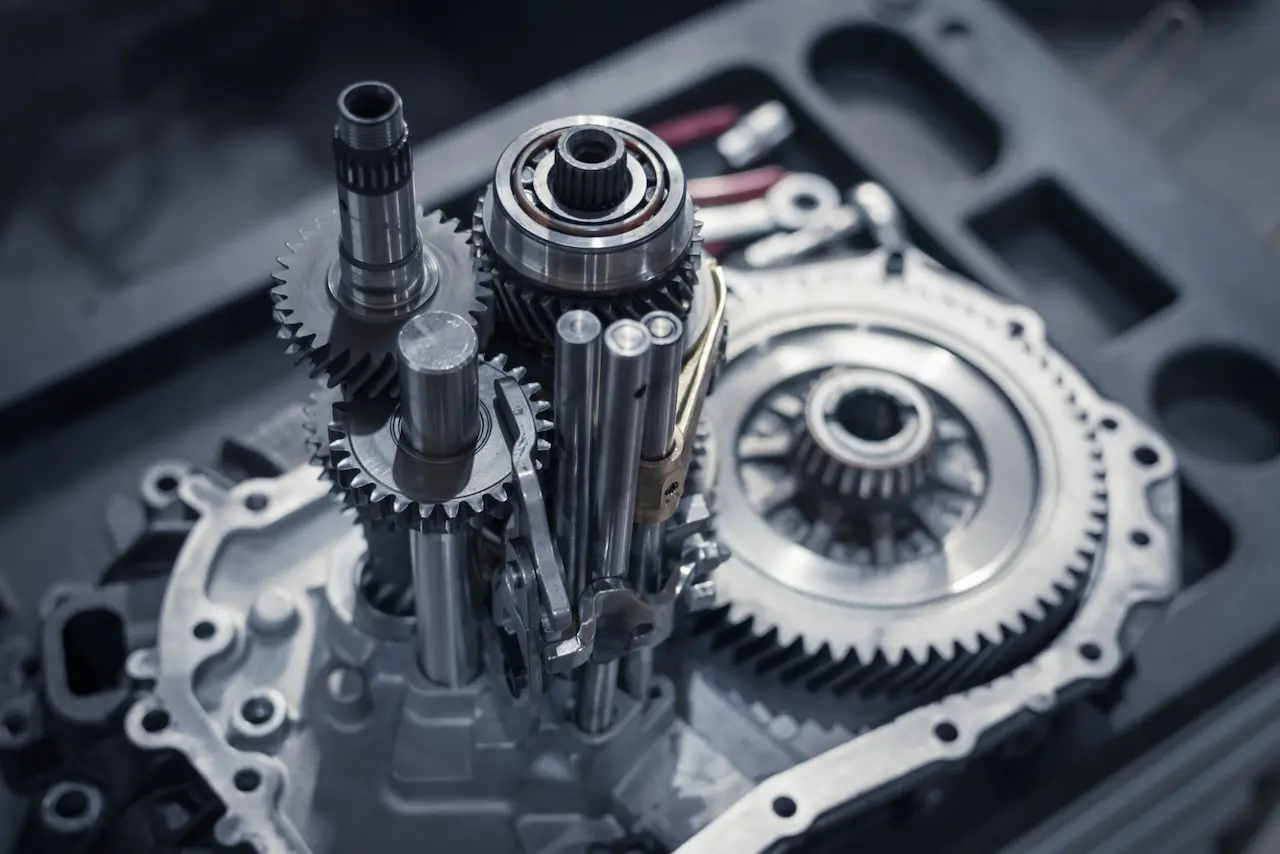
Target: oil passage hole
784 807
204 630
1090 651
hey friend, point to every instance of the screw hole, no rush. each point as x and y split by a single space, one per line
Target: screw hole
156 720
1090 651
784 807
1109 423
1140 538
71 804
204 630
166 483
256 711
255 501
1146 456
946 732
14 724
1016 329
247 780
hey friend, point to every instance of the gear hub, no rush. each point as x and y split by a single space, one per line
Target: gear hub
587 212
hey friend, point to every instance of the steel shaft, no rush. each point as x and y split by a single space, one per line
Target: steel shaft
449 633
657 438
624 381
576 394
380 249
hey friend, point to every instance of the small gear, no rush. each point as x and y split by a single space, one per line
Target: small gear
969 569
357 349
867 435
531 311
389 483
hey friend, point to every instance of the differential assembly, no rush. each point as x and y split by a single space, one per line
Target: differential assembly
587 212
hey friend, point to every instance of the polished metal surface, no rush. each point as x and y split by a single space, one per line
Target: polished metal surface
370 116
625 375
756 134
607 252
439 384
449 635
577 386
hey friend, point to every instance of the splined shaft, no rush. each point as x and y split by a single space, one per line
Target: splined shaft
380 254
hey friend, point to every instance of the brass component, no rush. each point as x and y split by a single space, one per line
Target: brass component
662 481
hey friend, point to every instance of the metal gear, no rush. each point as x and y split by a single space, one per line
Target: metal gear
966 575
586 212
374 472
358 349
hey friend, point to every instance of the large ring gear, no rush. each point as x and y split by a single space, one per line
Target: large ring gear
900 507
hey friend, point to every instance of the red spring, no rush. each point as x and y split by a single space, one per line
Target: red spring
698 126
736 187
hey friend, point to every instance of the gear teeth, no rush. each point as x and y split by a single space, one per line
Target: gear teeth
531 313
360 355
925 669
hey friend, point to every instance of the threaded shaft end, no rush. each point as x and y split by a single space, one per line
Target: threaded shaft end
590 170
370 116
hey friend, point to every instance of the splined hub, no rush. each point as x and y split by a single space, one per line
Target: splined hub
587 212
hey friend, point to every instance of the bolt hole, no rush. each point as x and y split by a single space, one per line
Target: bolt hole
1140 538
256 711
1146 456
204 630
806 202
641 629
71 804
1090 651
870 414
784 807
1016 329
369 102
156 720
255 501
14 724
166 483
672 489
247 780
946 732
1109 423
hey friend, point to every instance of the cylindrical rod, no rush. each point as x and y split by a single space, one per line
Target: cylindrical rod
448 634
576 392
656 442
624 381
439 384
380 248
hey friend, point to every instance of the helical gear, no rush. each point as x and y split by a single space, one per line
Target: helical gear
358 350
836 620
359 450
867 436
531 311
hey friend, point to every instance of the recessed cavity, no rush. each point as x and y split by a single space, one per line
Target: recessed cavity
14 724
256 501
946 732
784 807
1140 538
1090 651
1078 275
204 630
1221 403
870 415
591 145
71 804
1145 456
904 106
258 710
1207 538
94 651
